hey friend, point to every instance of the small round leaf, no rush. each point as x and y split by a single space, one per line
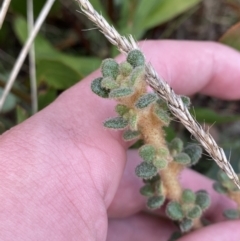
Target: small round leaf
182 158
155 202
125 68
146 170
188 196
98 89
231 214
147 152
176 145
174 211
147 190
136 58
110 68
202 199
186 225
195 212
194 152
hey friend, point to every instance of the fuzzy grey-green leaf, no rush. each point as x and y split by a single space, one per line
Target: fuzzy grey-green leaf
186 101
121 109
147 190
136 58
98 89
109 83
162 115
174 211
130 135
219 188
160 163
195 212
121 92
231 213
133 121
194 151
176 145
146 170
110 68
202 199
125 68
145 100
116 123
137 76
147 152
186 225
155 202
188 196
182 158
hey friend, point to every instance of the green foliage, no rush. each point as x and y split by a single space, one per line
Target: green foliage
163 115
45 51
136 58
147 190
125 68
231 214
176 146
162 152
194 151
110 68
231 37
155 202
56 74
137 76
186 100
116 123
121 92
195 212
219 188
10 102
133 120
130 135
147 152
226 183
175 236
121 109
160 163
204 115
188 196
186 225
157 12
145 100
203 199
182 158
22 114
109 83
174 211
97 88
146 170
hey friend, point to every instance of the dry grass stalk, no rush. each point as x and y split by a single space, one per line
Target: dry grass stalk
175 103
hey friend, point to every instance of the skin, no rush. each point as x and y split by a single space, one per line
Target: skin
64 177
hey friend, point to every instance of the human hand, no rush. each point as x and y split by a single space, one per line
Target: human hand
62 174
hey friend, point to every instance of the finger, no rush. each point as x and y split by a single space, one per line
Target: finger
191 66
224 231
140 227
128 200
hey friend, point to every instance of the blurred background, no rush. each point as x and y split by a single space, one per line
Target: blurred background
69 47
